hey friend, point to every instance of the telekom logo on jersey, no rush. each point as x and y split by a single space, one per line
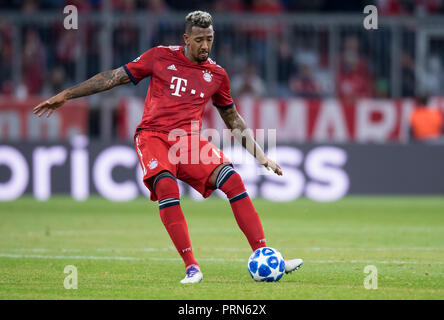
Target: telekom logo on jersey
179 85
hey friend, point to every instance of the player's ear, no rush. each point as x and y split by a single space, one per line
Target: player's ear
186 38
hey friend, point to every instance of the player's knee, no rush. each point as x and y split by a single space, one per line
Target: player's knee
230 182
165 186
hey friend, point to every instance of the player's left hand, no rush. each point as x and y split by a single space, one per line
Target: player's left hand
270 164
50 105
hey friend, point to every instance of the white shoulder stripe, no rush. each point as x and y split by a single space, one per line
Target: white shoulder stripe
172 48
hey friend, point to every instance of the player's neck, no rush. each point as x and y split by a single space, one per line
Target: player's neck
187 54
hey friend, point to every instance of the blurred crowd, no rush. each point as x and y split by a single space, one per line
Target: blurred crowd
386 7
303 66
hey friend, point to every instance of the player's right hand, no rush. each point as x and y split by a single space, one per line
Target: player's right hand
271 165
50 105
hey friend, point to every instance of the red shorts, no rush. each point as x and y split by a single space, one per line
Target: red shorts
190 158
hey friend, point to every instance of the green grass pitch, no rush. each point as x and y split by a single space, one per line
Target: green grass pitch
122 251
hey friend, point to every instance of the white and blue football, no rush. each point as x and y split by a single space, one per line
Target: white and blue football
266 264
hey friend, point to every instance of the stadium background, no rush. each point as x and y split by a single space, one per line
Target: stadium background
333 90
338 95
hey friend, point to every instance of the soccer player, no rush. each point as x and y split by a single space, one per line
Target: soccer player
183 79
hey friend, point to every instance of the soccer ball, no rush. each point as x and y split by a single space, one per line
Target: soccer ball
266 264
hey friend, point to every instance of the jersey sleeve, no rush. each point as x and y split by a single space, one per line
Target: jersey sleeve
222 98
142 66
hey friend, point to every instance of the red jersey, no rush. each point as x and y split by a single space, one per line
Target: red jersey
179 89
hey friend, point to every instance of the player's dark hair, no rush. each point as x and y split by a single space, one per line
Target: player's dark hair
199 19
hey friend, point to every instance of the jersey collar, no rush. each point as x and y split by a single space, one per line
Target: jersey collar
182 55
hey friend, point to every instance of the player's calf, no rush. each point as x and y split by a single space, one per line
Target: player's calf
167 191
230 182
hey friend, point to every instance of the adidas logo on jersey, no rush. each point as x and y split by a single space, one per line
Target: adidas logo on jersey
172 67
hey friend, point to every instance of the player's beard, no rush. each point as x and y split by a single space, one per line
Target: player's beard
203 56
198 58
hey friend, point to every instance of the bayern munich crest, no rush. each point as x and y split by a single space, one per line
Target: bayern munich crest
152 164
207 76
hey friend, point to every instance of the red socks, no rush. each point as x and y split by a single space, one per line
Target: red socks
167 192
230 182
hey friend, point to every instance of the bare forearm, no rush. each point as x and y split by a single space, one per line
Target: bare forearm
242 133
245 136
100 82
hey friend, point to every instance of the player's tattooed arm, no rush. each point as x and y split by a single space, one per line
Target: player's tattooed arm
100 82
241 132
244 135
232 118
